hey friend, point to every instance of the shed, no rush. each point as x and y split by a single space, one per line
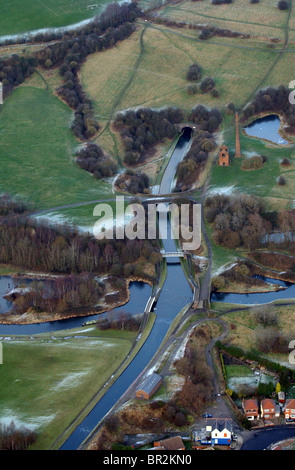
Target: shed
149 386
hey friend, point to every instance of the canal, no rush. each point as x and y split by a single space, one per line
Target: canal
176 293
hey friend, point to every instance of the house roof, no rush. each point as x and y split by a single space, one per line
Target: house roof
172 443
268 403
290 403
149 383
224 147
250 404
220 424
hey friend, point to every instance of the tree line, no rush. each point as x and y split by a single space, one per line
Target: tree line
113 25
63 294
271 100
242 221
203 142
90 157
13 438
134 182
63 250
143 128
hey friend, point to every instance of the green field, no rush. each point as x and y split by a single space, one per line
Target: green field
47 380
261 182
37 152
20 16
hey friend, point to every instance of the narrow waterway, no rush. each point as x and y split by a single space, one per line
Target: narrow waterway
288 292
175 295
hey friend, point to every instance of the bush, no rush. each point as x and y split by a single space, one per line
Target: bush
192 89
285 162
283 5
252 163
193 73
282 181
207 85
206 34
215 93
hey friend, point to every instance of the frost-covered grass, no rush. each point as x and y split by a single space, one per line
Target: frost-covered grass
37 153
20 16
47 380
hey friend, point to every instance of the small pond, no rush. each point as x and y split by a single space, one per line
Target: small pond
267 128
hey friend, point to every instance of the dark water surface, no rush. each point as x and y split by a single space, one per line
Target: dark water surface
257 298
267 128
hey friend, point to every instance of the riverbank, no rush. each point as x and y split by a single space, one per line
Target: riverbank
32 317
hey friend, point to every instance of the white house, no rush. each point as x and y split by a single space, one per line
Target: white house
220 429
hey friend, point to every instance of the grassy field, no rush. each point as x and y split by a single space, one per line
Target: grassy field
261 182
150 57
20 16
242 324
46 381
37 152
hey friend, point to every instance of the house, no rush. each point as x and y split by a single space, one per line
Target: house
251 408
172 443
149 386
220 429
223 156
268 408
290 408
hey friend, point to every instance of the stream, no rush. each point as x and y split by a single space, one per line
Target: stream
288 292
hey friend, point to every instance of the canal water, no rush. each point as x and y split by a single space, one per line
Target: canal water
267 128
183 144
175 295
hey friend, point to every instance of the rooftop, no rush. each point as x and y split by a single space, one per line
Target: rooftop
149 383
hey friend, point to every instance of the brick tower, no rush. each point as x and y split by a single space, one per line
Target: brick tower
238 144
223 156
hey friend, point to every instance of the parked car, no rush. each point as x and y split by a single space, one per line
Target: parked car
206 415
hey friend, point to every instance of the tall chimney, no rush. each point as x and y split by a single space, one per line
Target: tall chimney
238 144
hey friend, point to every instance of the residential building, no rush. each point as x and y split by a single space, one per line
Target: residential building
251 408
220 429
268 408
172 443
290 408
